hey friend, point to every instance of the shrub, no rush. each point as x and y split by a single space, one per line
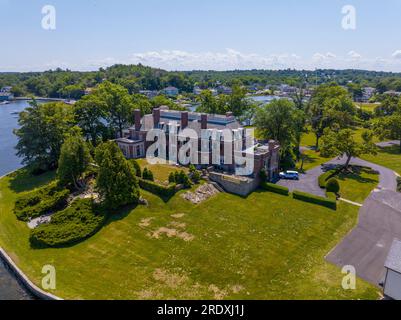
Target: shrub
171 177
180 177
263 175
147 174
332 185
41 201
326 176
329 203
275 188
162 191
137 167
196 176
76 223
192 168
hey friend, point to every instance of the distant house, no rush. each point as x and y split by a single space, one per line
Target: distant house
393 93
171 91
6 89
149 93
224 90
197 91
392 282
6 96
367 94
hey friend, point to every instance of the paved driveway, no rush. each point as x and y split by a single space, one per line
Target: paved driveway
308 182
367 246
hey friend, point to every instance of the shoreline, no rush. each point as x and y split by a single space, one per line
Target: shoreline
21 277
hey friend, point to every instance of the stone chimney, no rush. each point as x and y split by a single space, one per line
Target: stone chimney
184 119
137 119
203 121
156 117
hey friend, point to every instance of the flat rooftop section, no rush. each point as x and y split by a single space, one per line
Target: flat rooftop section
195 116
393 261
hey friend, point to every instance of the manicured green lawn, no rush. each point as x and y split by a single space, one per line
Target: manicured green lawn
368 106
389 157
357 186
264 247
160 171
311 159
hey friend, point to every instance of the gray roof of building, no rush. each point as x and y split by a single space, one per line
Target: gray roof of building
393 261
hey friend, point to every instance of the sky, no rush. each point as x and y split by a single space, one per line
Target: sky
201 34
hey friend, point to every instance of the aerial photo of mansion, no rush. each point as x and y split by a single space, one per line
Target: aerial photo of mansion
134 144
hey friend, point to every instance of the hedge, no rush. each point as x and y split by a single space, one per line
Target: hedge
329 203
152 187
41 201
326 176
79 221
275 188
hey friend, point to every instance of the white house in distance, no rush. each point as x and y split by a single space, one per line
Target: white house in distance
171 91
392 283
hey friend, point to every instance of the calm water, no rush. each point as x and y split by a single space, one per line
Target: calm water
8 122
10 289
264 99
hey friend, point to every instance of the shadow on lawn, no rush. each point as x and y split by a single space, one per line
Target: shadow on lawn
355 172
393 150
23 180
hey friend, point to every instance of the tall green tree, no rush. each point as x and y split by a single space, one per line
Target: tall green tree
343 143
330 106
119 105
74 160
389 127
116 180
276 121
91 114
43 128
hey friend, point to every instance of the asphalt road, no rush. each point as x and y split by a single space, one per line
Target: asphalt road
308 182
366 247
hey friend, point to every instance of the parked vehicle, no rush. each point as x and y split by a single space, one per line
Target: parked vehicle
289 175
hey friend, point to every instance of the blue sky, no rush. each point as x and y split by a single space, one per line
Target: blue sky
207 34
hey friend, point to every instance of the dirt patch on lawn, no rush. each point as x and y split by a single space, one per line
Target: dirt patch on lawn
178 215
145 222
201 194
171 233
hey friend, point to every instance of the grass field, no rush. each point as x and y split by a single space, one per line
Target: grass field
389 157
264 247
357 186
160 171
368 106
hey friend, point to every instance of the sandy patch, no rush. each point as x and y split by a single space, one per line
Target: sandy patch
178 215
178 225
145 222
172 280
219 294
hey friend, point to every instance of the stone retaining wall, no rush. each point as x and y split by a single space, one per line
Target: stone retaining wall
29 285
241 186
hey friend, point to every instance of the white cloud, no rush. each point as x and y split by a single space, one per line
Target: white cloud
354 55
397 54
228 59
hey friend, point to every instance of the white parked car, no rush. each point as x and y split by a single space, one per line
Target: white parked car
289 175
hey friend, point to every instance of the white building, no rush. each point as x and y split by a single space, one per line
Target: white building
392 283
